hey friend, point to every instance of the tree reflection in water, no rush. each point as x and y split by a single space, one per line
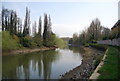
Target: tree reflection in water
41 65
26 66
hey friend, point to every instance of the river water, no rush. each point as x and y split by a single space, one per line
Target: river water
41 65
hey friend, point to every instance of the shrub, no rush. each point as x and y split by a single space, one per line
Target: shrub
28 42
38 41
99 46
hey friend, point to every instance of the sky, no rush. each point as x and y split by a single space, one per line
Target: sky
68 17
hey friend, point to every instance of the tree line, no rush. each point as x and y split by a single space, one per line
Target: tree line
28 36
92 34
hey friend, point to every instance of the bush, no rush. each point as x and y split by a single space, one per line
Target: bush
27 41
38 41
60 42
99 46
55 41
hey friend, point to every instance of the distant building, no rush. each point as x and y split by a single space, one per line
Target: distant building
117 25
116 28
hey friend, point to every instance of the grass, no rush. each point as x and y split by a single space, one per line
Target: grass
110 68
8 42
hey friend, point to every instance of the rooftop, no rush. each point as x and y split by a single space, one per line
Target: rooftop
116 24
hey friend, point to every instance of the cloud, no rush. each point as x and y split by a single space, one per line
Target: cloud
66 30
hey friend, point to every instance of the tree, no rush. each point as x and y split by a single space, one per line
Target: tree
3 25
9 21
49 25
92 34
94 30
26 23
48 35
14 23
98 29
75 38
19 25
83 37
45 32
105 33
34 29
40 27
5 19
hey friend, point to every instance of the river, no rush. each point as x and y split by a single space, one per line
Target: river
41 65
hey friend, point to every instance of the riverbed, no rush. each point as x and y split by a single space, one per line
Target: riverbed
49 64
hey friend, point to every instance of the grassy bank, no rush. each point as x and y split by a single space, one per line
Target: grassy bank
11 42
8 42
110 69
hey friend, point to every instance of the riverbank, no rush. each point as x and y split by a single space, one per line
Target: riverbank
26 50
90 60
111 64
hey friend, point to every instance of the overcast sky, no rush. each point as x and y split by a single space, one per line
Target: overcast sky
68 17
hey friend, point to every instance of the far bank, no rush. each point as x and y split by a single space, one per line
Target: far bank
15 44
26 50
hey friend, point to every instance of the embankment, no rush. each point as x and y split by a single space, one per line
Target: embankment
90 60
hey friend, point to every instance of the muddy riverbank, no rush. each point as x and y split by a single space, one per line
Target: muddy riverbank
26 50
87 67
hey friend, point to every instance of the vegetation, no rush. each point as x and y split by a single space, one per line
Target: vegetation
110 68
92 34
60 42
0 40
9 42
17 35
99 46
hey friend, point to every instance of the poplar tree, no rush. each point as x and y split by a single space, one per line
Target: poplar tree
5 19
45 32
40 27
26 23
34 29
19 25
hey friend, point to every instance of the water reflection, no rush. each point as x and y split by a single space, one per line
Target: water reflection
40 65
77 49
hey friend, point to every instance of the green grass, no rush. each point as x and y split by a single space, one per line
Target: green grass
8 42
110 68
